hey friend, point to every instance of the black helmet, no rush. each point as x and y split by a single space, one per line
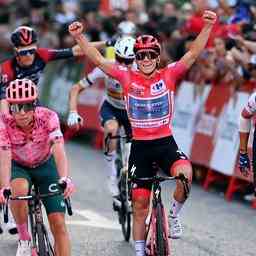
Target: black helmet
23 36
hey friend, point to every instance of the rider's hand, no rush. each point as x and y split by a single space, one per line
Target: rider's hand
244 164
110 42
209 17
2 197
75 29
70 186
74 119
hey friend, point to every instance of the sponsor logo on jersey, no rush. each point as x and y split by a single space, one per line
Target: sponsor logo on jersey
158 87
120 67
149 112
136 89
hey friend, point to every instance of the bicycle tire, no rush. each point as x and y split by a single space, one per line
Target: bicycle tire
124 211
161 249
41 243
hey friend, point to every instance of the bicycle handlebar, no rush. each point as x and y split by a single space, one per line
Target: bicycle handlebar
7 195
157 178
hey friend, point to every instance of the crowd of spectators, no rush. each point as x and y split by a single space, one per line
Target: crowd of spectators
230 57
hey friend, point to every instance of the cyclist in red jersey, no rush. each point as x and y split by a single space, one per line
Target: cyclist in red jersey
149 96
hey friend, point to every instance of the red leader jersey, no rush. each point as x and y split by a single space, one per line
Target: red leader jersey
149 101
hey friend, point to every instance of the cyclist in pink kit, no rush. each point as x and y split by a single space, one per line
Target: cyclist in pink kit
149 94
32 152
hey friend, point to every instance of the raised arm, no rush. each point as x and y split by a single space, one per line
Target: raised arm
200 42
76 29
77 51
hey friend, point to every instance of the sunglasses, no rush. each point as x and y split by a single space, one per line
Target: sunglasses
26 52
151 55
26 107
124 61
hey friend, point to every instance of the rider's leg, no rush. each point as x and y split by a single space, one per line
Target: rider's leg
61 238
140 199
20 187
111 127
174 163
179 195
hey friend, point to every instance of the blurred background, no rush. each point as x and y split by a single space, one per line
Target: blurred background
208 100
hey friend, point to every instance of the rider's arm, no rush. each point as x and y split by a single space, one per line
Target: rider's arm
89 50
76 89
77 51
56 138
244 130
245 122
5 166
60 158
56 54
5 155
200 42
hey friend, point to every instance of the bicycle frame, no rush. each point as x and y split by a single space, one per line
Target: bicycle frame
150 222
35 215
152 217
123 152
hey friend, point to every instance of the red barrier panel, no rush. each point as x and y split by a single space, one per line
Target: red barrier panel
204 137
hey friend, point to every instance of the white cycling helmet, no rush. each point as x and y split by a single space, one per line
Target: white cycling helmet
126 28
124 47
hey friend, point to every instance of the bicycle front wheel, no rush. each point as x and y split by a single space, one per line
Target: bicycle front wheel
161 239
41 245
125 211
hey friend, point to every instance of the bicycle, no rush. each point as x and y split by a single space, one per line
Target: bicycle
124 209
41 245
157 228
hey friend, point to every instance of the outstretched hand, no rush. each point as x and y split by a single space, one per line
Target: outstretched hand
209 17
75 29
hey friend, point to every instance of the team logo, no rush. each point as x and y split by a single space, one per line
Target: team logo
136 89
53 188
25 36
158 87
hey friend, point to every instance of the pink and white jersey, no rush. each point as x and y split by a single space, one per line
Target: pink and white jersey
34 148
149 101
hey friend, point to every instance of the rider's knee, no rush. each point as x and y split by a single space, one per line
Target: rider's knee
140 198
184 167
111 127
19 187
57 224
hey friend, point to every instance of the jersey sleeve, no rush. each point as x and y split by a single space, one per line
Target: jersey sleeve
6 75
119 73
4 136
176 71
55 133
251 104
91 78
54 54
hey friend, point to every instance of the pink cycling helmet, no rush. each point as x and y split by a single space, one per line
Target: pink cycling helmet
21 91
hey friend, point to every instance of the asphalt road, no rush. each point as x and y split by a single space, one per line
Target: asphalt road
212 227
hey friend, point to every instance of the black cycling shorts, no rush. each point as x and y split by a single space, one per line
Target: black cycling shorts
109 112
146 155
